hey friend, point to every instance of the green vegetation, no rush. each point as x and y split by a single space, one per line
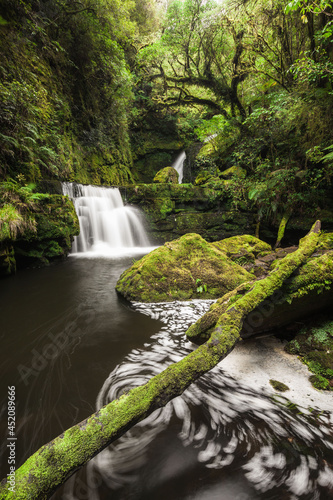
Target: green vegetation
34 227
279 386
166 175
109 93
66 89
179 270
258 78
314 345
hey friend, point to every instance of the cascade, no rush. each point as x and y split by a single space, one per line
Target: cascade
107 226
178 165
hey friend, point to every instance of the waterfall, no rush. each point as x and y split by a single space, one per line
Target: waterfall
107 227
178 165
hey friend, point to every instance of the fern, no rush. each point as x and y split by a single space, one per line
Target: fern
329 156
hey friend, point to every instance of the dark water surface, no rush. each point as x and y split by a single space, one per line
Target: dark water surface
63 329
70 345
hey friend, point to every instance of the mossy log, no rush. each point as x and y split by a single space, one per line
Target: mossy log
56 461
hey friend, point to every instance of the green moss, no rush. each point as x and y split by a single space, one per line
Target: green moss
314 276
325 241
279 386
314 344
181 263
245 247
167 175
234 172
282 227
56 225
319 382
207 150
213 318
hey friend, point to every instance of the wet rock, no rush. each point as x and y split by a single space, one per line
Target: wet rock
185 268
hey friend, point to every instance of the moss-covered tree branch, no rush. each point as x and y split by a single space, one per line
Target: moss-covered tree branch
56 461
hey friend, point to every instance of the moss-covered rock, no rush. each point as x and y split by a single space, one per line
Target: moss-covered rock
234 172
314 345
279 386
56 225
182 269
211 181
203 177
244 249
167 175
176 209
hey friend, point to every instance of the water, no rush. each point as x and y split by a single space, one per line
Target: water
179 164
107 226
63 329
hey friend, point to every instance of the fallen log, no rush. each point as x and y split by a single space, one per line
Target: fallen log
55 462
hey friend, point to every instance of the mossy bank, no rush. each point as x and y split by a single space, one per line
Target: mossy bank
35 228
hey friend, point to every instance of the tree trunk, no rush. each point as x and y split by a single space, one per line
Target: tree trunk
282 227
56 461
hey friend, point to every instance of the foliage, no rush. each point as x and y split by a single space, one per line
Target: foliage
315 346
317 6
17 205
66 88
84 87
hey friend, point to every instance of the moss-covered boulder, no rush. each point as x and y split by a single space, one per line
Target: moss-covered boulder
167 175
234 172
244 249
210 181
185 268
203 177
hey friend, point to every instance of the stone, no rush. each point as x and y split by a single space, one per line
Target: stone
167 175
234 172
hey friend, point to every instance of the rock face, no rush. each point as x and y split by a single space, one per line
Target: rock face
167 175
176 209
182 269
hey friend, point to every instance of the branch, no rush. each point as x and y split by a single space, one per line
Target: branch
190 100
56 461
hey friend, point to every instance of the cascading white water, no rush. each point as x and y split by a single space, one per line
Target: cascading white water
178 164
106 225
